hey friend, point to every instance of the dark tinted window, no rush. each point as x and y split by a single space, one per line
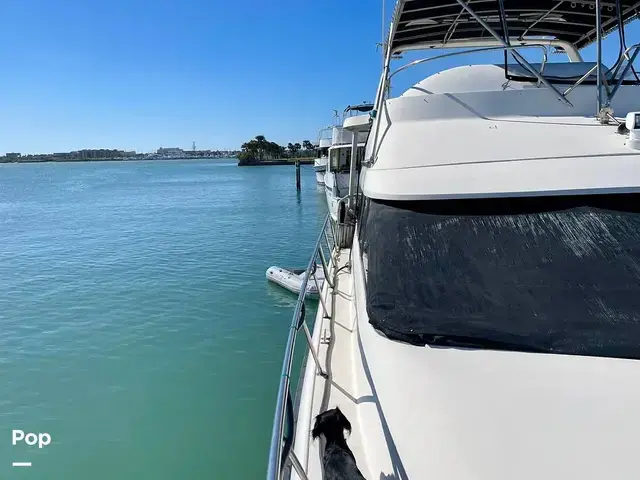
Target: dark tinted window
549 274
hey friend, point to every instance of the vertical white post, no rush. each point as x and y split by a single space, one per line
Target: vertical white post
599 56
352 169
380 96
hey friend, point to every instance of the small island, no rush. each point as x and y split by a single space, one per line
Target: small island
261 151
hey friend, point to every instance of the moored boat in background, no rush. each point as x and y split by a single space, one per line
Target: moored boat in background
322 154
347 142
293 279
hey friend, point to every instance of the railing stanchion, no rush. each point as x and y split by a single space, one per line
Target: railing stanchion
333 231
331 241
324 306
326 236
298 467
288 439
312 349
334 260
324 269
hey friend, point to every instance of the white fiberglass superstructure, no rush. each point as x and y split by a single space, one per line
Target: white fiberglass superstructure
322 154
484 321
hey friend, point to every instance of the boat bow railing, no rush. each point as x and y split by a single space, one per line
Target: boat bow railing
325 133
281 453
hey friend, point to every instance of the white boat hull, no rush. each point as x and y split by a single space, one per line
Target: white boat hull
292 280
336 187
320 166
332 202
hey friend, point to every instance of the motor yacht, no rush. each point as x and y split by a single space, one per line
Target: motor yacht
483 321
348 134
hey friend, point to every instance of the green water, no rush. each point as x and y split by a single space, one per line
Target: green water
136 324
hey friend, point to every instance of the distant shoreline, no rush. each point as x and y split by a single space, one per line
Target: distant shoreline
80 160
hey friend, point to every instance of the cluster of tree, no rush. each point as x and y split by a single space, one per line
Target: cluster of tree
260 149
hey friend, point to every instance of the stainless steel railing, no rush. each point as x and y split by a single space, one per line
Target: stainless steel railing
630 54
281 453
473 51
388 76
630 58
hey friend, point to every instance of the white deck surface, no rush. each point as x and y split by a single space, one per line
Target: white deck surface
341 391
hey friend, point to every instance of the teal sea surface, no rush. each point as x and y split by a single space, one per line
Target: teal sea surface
137 327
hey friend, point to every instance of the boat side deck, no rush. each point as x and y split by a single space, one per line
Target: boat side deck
337 357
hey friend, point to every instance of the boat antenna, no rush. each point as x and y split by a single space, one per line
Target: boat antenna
382 32
382 28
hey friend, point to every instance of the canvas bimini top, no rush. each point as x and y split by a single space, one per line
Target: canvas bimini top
440 22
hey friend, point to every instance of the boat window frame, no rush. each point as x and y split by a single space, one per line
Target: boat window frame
334 160
346 166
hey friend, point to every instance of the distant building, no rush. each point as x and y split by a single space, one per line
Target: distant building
170 151
13 155
90 154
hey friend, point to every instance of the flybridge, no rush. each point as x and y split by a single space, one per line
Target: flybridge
511 25
436 22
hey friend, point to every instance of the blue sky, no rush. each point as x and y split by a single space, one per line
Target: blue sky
141 74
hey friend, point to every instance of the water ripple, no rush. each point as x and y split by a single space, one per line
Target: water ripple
133 305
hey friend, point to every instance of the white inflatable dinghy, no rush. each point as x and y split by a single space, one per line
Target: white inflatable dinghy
292 279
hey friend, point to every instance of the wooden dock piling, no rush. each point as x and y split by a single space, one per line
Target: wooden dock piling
298 175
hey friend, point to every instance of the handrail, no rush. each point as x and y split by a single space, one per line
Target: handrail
386 79
473 50
280 450
325 136
619 80
630 60
624 55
